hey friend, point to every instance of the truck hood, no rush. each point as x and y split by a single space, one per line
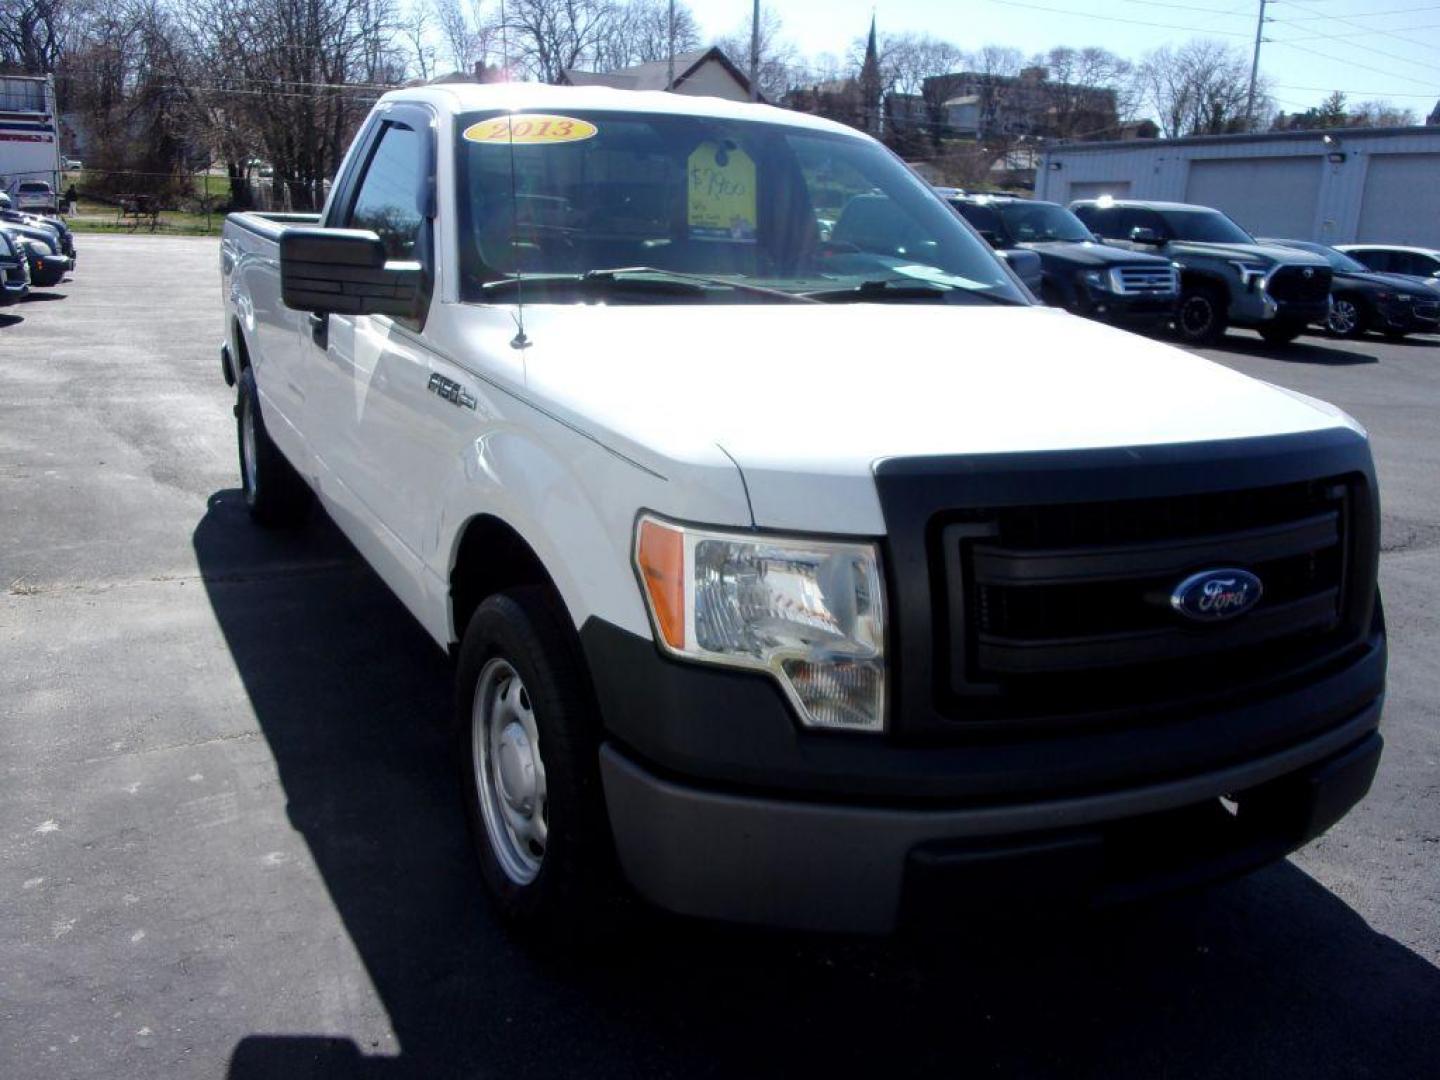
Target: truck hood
806 399
1087 253
1267 253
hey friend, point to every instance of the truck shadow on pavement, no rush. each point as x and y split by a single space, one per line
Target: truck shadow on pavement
1271 976
1303 350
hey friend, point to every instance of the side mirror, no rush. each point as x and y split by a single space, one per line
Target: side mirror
1139 235
344 272
1026 265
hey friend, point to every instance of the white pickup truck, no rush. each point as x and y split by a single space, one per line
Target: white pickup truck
800 568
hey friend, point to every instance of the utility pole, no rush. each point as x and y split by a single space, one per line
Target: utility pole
1254 70
755 52
670 31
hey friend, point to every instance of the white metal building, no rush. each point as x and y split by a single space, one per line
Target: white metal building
1367 185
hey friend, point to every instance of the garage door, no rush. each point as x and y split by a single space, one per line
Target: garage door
1093 189
1401 204
1268 196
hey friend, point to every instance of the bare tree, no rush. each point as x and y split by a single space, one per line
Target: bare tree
638 32
1382 114
34 34
1199 88
465 31
415 29
780 62
548 37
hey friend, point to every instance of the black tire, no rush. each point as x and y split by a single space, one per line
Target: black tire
1281 333
1203 315
1346 318
1396 335
274 492
571 899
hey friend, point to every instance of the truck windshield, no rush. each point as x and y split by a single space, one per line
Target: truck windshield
1040 222
1205 227
793 210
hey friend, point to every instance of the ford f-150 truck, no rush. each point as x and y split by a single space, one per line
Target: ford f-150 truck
800 575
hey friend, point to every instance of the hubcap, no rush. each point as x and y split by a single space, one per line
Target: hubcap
1343 317
509 772
247 447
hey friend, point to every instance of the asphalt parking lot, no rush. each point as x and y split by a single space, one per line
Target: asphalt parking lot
230 842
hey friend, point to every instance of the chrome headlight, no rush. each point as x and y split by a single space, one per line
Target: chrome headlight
1095 279
1250 272
809 612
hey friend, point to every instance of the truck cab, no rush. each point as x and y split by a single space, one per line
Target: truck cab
798 567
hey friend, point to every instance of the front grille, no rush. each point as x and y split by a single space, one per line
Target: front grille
1057 604
1146 280
1291 284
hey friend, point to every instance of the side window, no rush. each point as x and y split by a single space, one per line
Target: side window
1376 260
388 199
1102 221
1426 265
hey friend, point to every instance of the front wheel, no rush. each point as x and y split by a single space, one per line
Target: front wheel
1281 333
527 735
1202 317
1344 320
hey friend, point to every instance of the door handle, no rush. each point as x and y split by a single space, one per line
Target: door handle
320 328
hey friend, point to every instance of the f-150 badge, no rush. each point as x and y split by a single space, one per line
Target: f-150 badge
451 391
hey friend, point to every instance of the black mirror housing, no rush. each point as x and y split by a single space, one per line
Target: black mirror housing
344 272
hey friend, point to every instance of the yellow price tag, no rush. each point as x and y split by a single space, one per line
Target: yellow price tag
722 193
529 129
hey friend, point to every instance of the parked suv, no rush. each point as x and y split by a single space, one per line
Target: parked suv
1226 277
1079 274
1362 299
14 271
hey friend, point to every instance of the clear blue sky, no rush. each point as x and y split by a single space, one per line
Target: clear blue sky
1394 56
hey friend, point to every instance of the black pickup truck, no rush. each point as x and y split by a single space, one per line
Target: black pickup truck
1079 273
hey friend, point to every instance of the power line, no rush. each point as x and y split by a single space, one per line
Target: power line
1186 7
1355 93
1352 63
1361 26
1361 33
1116 19
1357 14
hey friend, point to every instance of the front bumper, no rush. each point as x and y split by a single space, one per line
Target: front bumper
1132 310
872 869
48 270
1418 318
14 284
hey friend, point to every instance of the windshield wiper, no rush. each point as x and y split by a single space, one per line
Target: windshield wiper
632 273
641 279
900 289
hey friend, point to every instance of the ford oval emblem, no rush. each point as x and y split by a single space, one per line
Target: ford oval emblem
1309 273
1212 595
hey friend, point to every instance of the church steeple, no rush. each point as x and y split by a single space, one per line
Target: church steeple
871 86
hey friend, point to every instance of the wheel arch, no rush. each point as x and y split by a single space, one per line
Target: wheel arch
491 556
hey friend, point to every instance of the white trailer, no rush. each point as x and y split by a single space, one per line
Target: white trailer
29 142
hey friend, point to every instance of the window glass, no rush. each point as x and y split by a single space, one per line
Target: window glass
1102 220
1205 227
985 218
1039 221
388 199
770 204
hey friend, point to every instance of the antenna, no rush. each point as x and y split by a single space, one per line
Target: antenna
519 341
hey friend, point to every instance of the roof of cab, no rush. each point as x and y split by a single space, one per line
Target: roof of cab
467 97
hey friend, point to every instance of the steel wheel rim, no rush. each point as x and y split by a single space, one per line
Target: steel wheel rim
1193 307
509 771
247 447
1343 317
